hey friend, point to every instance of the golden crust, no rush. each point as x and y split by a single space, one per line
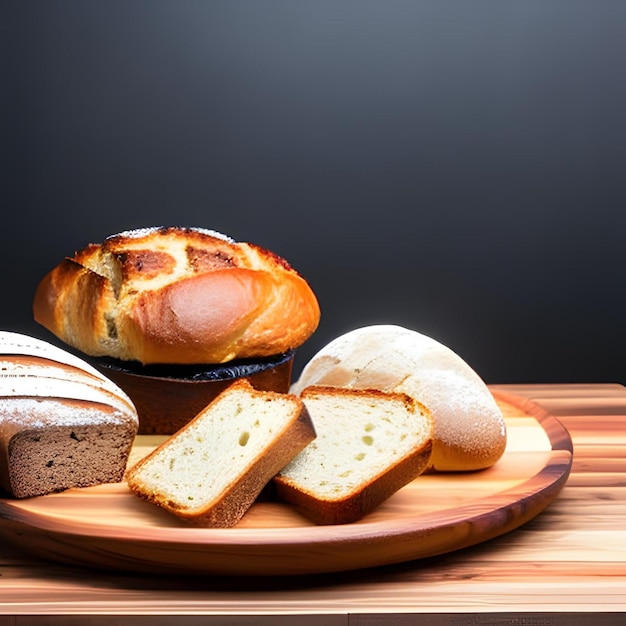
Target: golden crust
176 295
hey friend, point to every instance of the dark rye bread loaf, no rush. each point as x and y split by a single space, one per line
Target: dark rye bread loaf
62 424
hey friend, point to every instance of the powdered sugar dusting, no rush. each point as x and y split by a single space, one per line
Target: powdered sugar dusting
40 413
469 418
137 233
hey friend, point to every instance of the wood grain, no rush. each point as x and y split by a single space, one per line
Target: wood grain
108 527
565 566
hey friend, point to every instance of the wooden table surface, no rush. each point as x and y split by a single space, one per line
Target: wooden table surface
566 566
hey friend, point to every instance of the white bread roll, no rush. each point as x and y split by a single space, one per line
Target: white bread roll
469 429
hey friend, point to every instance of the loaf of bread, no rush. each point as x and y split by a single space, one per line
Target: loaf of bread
212 470
470 432
62 424
176 295
369 445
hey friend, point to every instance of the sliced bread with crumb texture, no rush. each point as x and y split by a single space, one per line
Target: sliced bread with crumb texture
369 444
211 471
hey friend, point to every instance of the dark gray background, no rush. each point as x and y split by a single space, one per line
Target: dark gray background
457 167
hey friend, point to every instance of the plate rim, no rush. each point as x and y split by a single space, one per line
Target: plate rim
558 465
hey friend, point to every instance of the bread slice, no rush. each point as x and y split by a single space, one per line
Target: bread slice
369 444
211 471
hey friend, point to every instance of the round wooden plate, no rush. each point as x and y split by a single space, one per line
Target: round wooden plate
108 527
